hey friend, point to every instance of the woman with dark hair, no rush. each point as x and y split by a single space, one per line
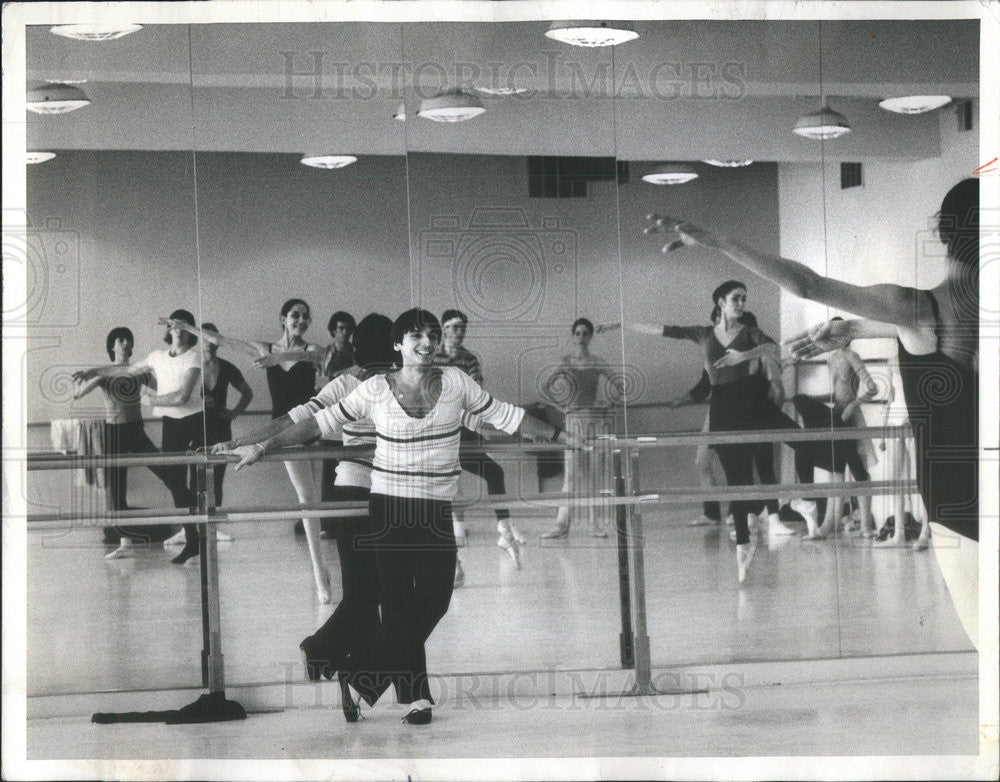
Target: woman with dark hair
123 434
574 384
355 621
417 411
739 401
291 365
936 333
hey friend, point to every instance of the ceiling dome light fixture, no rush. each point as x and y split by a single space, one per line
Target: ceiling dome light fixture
328 161
591 33
32 158
914 104
55 98
502 90
94 32
400 113
728 163
451 106
670 174
823 124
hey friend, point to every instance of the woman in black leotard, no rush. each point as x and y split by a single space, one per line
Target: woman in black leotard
291 365
937 342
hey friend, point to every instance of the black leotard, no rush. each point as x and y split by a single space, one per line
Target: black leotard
941 400
290 388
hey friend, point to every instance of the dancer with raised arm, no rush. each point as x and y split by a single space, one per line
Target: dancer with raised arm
575 384
417 411
122 384
291 365
936 332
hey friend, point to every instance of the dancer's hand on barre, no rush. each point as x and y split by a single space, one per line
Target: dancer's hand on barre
822 338
223 447
686 233
248 454
600 328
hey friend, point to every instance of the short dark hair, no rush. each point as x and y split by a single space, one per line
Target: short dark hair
118 332
449 314
188 318
958 222
582 322
372 341
416 319
341 317
287 306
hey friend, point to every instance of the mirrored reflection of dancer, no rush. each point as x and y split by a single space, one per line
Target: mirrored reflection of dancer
178 400
121 384
355 621
291 365
339 355
739 401
453 353
417 412
850 386
575 385
936 332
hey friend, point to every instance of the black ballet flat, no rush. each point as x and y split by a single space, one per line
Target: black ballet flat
315 668
190 550
418 717
352 711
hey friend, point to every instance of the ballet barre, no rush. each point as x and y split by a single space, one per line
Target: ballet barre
625 498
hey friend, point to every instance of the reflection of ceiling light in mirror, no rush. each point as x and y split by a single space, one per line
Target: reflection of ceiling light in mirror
670 174
400 113
55 98
451 106
328 161
94 32
65 81
728 163
591 33
502 90
823 124
914 104
38 157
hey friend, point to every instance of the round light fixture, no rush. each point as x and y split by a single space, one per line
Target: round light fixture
502 90
400 113
94 32
328 161
32 158
728 163
591 33
55 98
914 104
451 106
823 124
670 174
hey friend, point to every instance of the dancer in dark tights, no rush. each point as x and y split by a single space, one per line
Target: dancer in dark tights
937 342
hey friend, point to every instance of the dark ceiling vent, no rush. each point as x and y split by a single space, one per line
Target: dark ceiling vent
567 177
850 175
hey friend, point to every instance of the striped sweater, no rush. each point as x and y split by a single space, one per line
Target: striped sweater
418 457
351 471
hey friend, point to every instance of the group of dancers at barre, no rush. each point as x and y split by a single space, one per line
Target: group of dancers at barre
409 387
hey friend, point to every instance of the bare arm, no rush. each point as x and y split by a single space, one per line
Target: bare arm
268 359
836 334
866 386
270 429
302 432
251 348
540 431
83 387
246 396
764 350
887 303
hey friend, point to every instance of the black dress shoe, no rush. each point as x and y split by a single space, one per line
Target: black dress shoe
352 711
315 668
418 717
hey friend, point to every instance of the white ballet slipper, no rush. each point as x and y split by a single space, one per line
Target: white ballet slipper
125 549
775 526
178 539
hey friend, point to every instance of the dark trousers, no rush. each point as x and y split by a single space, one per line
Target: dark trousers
216 431
414 547
184 434
482 465
126 438
355 622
